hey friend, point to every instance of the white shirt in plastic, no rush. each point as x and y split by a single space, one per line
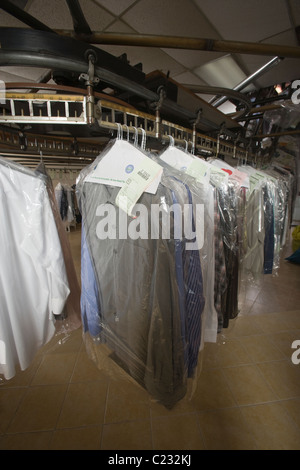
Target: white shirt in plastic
33 280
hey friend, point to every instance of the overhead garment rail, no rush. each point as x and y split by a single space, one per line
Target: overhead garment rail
35 108
109 115
69 59
14 140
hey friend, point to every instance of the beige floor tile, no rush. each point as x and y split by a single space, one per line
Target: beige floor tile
180 432
231 351
212 391
272 427
252 292
10 399
245 307
247 385
68 342
126 402
225 430
133 435
283 377
39 409
242 326
290 301
84 405
292 318
210 356
85 438
283 341
260 348
272 293
55 369
259 308
62 416
87 370
22 378
293 408
29 441
271 323
182 407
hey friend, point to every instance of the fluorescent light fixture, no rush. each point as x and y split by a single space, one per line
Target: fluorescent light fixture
223 72
227 108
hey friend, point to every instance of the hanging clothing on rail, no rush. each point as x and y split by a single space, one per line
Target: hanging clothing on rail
33 279
182 165
71 316
143 295
231 188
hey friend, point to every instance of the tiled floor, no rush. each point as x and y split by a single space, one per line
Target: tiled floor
248 394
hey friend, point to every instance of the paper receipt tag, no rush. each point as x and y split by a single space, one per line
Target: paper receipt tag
266 176
254 182
218 175
139 180
199 170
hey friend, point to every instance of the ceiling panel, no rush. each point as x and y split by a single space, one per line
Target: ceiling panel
192 59
288 69
29 73
118 26
10 21
97 18
188 78
252 21
117 7
282 38
8 75
168 17
54 14
156 59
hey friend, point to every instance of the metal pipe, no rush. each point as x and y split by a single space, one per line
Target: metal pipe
265 68
177 42
211 90
62 63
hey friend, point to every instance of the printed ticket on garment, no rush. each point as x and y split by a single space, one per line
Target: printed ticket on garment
199 170
137 183
118 164
254 182
242 179
177 158
266 176
218 175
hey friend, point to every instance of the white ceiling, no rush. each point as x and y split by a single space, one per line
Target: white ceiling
261 21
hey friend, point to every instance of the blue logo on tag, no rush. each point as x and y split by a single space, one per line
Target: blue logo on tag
129 168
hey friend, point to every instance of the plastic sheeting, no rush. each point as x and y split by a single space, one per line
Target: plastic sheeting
71 315
149 304
144 294
34 283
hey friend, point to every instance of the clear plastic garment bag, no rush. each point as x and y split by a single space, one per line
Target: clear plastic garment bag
33 280
143 292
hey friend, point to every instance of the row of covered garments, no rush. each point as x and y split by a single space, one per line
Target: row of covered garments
38 283
269 208
147 298
150 303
